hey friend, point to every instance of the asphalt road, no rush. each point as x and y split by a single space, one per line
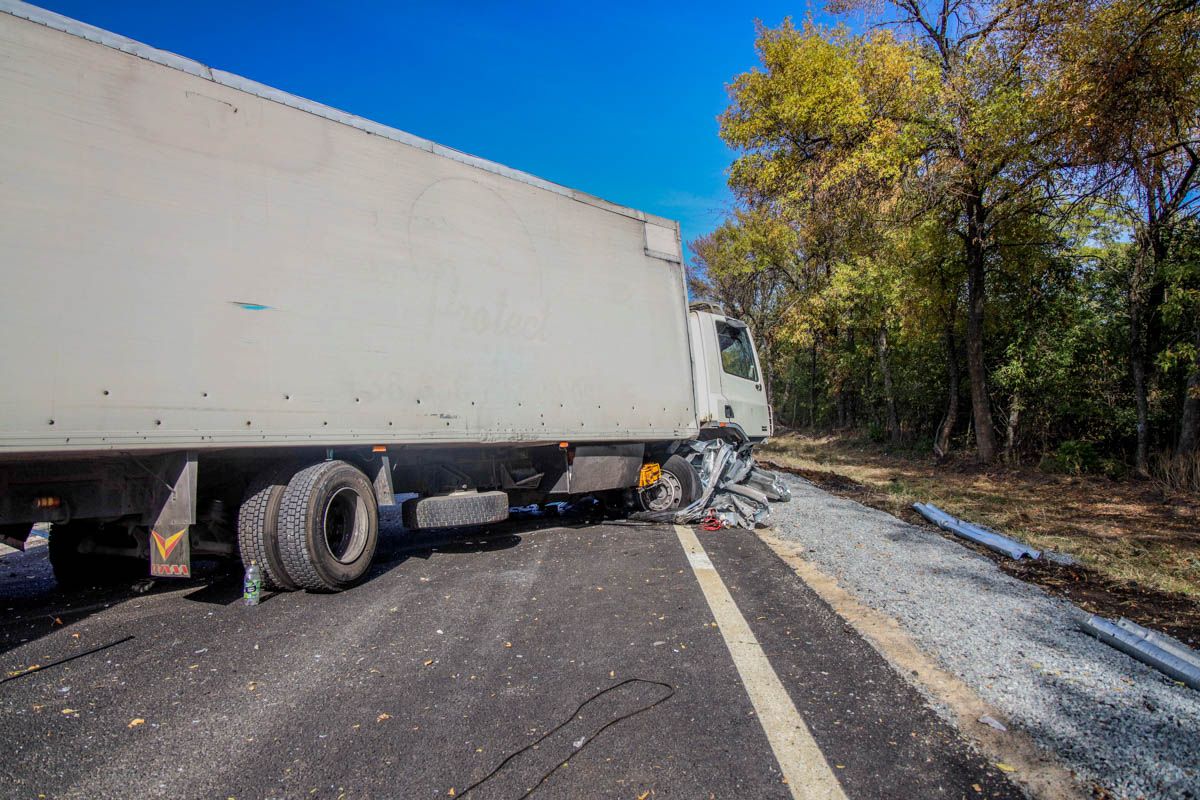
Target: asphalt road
460 650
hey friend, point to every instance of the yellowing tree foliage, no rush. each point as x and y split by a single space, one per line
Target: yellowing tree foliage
945 179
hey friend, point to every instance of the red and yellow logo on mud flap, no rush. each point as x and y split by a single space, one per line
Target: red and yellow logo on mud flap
171 556
167 546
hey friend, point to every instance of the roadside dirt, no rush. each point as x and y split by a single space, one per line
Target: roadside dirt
1173 613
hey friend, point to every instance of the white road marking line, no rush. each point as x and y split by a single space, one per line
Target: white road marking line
804 767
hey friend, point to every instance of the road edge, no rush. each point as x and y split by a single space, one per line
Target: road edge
1037 771
805 769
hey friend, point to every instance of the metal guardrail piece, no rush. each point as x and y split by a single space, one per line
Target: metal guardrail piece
1161 641
988 538
1167 655
1141 647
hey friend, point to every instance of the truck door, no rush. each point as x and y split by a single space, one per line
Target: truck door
741 379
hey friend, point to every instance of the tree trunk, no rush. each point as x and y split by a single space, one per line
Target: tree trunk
941 444
1189 429
981 407
795 406
1151 250
1137 368
812 387
1141 457
1010 429
889 388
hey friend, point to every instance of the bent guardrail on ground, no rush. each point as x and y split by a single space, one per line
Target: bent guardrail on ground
1163 653
988 538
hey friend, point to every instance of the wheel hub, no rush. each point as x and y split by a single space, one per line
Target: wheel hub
665 494
345 525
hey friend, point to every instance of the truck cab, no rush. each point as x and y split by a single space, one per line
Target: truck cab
731 397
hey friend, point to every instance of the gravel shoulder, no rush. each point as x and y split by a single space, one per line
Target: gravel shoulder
1122 727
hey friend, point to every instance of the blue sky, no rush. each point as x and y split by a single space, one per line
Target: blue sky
616 99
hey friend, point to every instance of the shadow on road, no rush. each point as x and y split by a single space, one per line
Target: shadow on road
34 606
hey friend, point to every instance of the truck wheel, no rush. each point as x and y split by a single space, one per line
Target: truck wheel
258 526
328 526
455 510
677 487
74 569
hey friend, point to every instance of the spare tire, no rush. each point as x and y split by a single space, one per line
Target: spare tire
455 510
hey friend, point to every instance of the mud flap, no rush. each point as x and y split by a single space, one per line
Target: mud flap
170 553
170 545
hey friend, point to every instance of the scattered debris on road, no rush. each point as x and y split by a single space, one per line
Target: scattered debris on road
735 492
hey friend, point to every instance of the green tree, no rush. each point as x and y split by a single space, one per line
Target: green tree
1128 76
747 265
941 118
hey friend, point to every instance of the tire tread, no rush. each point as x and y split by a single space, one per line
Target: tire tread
252 526
293 513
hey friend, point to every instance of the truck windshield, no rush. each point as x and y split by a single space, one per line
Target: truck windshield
737 355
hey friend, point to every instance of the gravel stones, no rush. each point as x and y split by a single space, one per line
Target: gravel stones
1113 720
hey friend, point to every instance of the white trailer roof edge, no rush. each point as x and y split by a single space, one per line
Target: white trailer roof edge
168 59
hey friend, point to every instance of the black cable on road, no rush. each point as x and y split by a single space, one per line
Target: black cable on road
670 693
44 667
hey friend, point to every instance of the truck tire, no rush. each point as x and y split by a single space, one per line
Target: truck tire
74 569
677 487
258 526
455 510
328 526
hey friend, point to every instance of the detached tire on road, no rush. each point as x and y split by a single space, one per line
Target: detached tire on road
258 526
328 526
677 487
455 510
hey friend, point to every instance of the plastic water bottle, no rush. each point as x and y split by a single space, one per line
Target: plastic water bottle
252 586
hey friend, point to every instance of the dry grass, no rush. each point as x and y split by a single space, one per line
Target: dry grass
1127 531
1177 473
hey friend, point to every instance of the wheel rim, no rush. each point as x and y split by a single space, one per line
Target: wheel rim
345 525
665 494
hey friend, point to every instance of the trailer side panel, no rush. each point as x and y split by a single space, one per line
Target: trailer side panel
190 265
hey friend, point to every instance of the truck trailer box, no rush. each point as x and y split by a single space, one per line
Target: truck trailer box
236 322
191 259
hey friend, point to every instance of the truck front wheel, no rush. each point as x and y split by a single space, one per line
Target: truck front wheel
328 526
677 487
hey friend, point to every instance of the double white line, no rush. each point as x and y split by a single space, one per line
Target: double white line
804 768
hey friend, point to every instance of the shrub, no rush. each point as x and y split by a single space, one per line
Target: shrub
1073 457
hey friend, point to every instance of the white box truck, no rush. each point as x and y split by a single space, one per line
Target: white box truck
236 322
